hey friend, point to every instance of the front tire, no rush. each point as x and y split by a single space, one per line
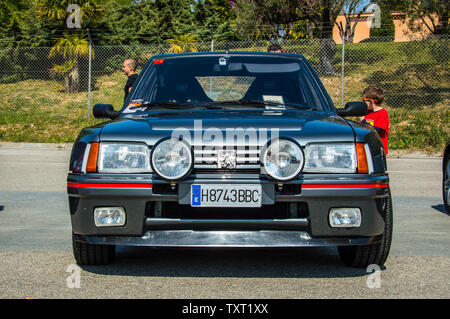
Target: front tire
90 254
377 253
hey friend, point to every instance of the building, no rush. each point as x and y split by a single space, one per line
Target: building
363 27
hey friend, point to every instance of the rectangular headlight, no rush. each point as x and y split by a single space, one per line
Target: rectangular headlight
109 216
330 158
345 217
124 158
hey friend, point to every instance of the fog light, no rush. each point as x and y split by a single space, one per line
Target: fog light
109 216
345 217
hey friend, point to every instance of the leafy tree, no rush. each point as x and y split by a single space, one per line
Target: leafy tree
260 18
204 18
386 24
174 18
426 11
223 18
148 21
129 23
56 10
352 11
13 14
431 14
215 15
73 45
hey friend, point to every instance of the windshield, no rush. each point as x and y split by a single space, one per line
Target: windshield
226 82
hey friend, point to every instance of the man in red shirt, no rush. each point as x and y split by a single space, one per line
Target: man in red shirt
377 116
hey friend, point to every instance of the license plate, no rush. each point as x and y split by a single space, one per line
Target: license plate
229 195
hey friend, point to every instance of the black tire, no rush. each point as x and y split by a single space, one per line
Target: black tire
445 182
377 253
90 254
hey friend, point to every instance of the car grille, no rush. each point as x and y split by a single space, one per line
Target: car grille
246 157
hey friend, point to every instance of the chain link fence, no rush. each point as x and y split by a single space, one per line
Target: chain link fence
35 84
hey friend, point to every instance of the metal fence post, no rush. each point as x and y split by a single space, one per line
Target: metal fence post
342 69
89 75
212 38
212 49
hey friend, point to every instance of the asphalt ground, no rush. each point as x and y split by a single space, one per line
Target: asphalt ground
36 258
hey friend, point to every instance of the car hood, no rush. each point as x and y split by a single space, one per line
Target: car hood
303 126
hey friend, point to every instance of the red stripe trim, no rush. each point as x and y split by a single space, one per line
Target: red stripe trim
311 186
305 186
102 185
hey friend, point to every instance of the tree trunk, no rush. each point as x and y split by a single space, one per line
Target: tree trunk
75 78
67 82
309 30
350 32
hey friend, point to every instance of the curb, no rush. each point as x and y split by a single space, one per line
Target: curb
413 154
49 146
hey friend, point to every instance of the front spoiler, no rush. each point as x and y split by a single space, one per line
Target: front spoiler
194 238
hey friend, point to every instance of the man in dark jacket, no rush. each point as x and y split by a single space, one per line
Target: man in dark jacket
129 68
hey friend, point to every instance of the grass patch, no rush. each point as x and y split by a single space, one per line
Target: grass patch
40 111
424 129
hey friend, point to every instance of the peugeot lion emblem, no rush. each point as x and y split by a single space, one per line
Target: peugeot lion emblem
226 159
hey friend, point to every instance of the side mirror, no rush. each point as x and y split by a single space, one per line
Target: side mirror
353 109
105 111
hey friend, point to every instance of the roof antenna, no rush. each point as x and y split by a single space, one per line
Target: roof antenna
227 49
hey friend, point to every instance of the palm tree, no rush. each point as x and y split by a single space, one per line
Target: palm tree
71 47
73 44
183 43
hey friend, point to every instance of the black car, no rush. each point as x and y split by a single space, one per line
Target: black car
230 150
446 177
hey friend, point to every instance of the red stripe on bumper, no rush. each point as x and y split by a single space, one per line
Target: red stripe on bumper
99 185
304 186
315 186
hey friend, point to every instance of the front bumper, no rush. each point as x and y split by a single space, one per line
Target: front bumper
316 195
232 239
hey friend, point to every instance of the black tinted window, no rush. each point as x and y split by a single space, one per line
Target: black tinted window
200 80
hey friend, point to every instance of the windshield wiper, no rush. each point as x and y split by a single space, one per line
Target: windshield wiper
257 103
216 104
278 104
152 104
239 103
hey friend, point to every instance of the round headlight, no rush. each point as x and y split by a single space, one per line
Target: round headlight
283 160
171 159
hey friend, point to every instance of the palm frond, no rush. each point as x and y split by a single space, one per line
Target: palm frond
70 46
64 68
175 48
183 43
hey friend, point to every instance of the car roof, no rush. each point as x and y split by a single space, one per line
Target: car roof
225 53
